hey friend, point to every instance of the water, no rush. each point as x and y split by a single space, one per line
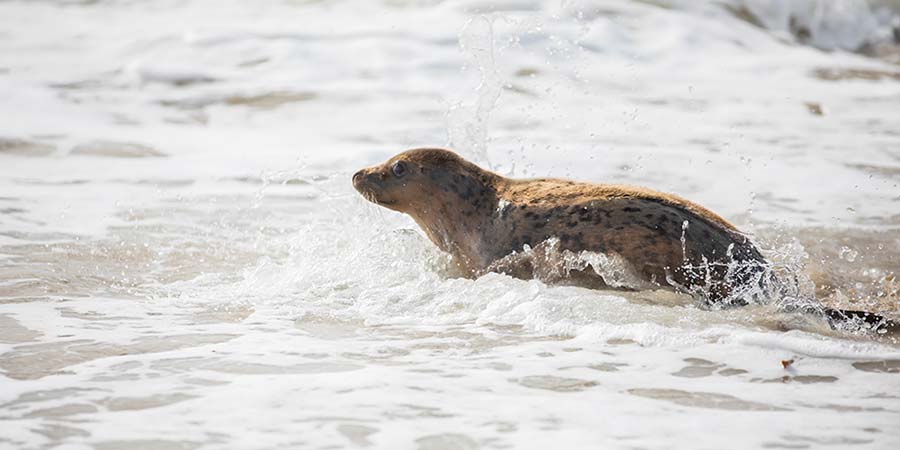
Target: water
185 264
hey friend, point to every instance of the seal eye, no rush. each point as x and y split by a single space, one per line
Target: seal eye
398 169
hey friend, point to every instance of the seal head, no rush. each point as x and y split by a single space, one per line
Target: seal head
411 182
449 198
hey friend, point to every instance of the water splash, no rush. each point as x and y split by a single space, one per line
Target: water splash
468 125
549 264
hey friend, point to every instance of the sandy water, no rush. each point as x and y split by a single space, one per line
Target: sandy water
184 264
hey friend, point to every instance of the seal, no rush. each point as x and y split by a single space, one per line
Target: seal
490 223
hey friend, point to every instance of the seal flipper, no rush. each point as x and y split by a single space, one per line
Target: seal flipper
874 322
840 318
753 281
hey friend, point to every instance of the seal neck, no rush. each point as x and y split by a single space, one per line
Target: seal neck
462 224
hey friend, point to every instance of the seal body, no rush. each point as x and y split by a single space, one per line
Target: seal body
560 230
484 220
665 240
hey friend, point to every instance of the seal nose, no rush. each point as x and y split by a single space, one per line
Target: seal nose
357 177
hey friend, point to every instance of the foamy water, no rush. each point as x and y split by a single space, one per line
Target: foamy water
184 264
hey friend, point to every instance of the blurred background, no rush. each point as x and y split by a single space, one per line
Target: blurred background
179 240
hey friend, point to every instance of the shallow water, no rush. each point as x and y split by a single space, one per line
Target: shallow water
184 264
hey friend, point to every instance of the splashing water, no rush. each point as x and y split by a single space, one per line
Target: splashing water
469 126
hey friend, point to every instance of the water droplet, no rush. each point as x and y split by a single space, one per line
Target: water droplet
848 254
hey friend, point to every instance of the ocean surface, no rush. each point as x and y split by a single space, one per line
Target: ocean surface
184 263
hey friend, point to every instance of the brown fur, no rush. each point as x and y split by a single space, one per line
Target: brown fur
480 217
